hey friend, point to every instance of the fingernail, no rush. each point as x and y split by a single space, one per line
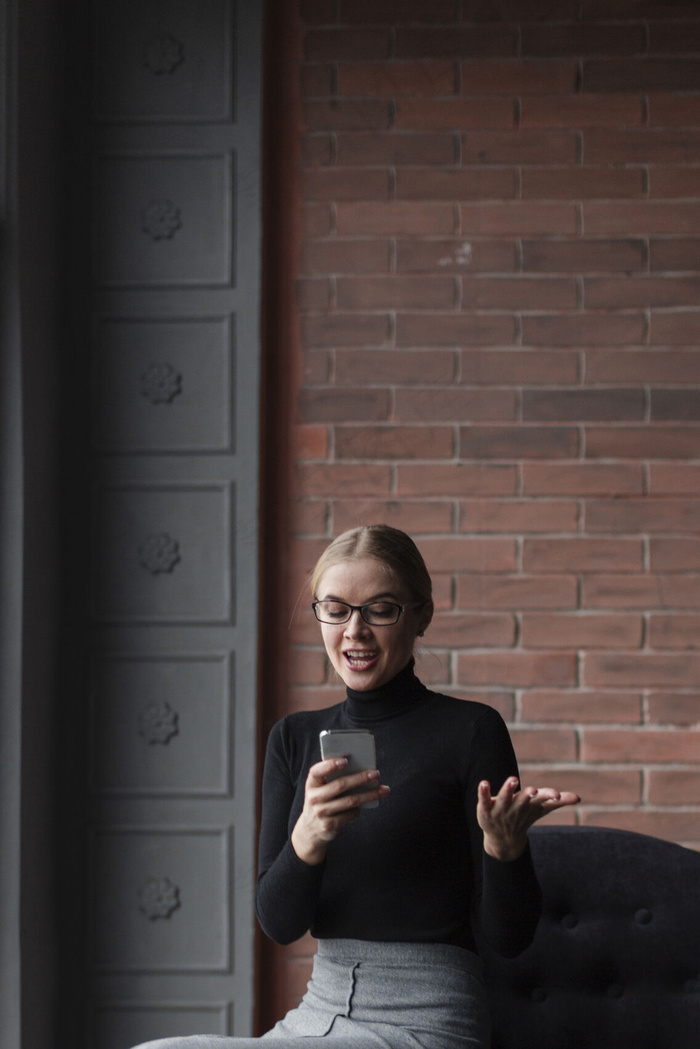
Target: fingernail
374 774
340 762
384 790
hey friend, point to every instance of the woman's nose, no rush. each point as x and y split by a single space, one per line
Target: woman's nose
356 626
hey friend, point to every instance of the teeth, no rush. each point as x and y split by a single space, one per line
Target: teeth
359 657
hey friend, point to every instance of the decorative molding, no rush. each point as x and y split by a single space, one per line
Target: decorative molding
161 219
158 898
163 54
159 553
158 723
161 383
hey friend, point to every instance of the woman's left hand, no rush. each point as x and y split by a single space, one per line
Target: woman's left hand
506 818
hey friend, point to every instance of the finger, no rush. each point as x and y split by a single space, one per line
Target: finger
318 772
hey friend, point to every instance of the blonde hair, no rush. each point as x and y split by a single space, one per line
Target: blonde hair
391 547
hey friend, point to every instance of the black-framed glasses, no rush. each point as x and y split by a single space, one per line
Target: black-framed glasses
374 613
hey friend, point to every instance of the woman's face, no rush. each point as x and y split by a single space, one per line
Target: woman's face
367 656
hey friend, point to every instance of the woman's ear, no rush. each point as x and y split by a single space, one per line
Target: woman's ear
426 614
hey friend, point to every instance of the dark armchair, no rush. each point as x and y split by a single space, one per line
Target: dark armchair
615 963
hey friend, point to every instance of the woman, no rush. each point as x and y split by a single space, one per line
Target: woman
400 895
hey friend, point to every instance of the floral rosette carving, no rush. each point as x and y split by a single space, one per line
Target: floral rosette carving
158 723
163 54
159 553
161 383
158 898
161 219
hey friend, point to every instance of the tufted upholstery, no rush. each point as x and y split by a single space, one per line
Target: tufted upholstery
615 963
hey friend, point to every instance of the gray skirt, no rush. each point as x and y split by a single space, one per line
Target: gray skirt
365 995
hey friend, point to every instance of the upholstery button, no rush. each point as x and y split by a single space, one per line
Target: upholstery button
642 916
569 921
538 994
614 991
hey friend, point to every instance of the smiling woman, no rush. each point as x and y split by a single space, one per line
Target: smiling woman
399 881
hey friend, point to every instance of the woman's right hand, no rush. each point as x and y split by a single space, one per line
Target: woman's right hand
327 808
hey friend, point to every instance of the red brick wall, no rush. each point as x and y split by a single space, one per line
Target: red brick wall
499 304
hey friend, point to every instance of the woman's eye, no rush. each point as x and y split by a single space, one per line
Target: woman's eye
335 611
382 610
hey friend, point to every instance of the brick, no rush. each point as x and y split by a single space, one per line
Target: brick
593 404
316 367
674 37
316 150
345 256
580 39
312 295
461 184
503 702
455 42
442 592
462 554
636 442
674 555
669 110
518 77
394 442
353 219
397 367
309 518
453 330
311 442
316 220
641 74
676 329
461 630
343 404
342 44
396 79
582 329
639 218
316 81
622 292
643 366
645 671
569 111
344 329
345 184
674 479
583 256
642 146
434 669
581 631
582 707
518 218
595 786
454 403
455 480
544 744
530 293
516 367
516 592
675 631
673 786
454 113
455 255
355 114
582 555
676 254
678 708
643 515
525 147
519 670
379 292
643 592
584 183
508 515
317 12
646 745
396 149
413 517
306 668
518 442
668 825
398 12
517 11
672 182
327 479
581 479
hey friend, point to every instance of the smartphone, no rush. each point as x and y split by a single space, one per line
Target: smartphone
357 745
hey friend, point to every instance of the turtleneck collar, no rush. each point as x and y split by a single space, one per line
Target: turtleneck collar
395 697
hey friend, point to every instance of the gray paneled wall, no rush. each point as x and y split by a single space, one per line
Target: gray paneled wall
175 235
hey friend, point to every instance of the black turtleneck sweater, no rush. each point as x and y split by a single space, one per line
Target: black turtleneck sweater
413 869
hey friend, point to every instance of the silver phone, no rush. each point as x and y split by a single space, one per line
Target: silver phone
357 745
